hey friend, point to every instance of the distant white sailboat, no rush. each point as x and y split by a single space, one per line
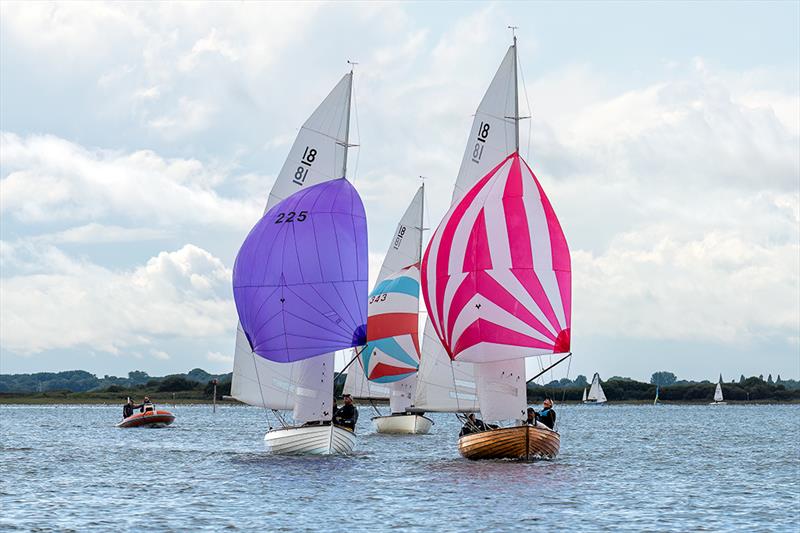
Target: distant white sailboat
718 398
584 395
596 395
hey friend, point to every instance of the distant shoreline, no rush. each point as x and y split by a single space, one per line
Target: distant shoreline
45 400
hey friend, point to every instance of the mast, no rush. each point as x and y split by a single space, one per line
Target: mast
421 223
347 124
516 92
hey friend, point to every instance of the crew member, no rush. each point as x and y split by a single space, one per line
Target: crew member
472 425
145 406
346 415
127 409
547 415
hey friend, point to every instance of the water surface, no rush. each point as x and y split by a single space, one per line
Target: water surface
665 468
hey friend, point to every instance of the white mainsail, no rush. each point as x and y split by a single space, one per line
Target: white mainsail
443 385
319 154
494 132
718 393
584 394
596 394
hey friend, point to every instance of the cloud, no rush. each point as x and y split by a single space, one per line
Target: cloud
61 302
50 179
719 287
99 233
216 357
159 354
189 116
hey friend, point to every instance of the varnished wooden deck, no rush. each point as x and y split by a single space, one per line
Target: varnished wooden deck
517 442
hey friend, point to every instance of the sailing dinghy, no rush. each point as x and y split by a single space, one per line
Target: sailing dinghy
321 299
496 276
391 356
718 398
596 395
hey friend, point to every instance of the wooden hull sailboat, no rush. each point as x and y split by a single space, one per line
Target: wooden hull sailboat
403 424
496 276
327 439
517 442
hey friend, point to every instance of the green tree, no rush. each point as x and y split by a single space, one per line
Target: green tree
769 379
741 379
580 381
176 383
663 378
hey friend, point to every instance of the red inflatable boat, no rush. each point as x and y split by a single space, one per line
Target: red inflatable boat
155 419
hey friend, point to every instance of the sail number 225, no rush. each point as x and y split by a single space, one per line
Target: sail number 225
480 142
291 216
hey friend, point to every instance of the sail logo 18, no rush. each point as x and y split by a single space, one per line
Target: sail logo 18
399 239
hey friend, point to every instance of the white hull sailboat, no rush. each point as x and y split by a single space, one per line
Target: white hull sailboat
596 395
718 398
311 440
403 424
287 365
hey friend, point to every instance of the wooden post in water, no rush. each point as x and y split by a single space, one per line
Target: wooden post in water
215 395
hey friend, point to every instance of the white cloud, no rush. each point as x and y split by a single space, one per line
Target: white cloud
189 116
160 354
99 233
216 357
62 302
51 179
719 288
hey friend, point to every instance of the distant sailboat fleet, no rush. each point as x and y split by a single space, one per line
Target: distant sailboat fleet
495 278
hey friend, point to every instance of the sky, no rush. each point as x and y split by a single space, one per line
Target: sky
138 143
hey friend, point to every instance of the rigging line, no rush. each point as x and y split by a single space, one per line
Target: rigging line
549 367
455 385
530 111
260 389
354 358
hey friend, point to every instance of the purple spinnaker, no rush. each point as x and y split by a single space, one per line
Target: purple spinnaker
300 278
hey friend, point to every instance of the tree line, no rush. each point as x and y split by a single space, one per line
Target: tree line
616 388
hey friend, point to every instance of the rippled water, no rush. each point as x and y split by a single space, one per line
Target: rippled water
621 467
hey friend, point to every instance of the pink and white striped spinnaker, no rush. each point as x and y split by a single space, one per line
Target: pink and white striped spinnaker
496 274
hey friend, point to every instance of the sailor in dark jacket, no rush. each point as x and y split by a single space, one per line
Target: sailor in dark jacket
547 416
127 409
472 425
346 415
